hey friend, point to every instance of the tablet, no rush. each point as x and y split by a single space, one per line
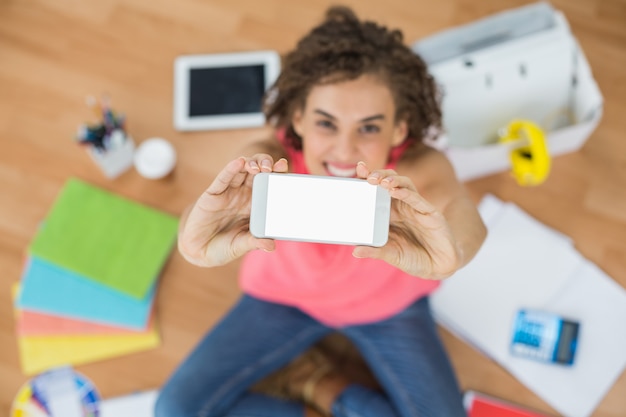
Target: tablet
222 91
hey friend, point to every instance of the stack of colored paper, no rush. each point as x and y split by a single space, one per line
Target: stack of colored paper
88 287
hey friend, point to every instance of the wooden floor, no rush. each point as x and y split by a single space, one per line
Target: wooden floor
53 53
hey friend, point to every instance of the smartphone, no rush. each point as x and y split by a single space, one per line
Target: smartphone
320 209
545 336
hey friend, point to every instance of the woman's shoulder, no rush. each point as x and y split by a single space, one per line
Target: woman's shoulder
418 155
269 145
424 164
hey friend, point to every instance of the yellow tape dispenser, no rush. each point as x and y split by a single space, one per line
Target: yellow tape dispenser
530 162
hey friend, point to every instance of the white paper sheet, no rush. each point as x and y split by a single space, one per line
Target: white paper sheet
526 264
140 404
599 303
521 264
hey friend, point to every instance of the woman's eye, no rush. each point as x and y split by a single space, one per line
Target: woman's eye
370 129
326 124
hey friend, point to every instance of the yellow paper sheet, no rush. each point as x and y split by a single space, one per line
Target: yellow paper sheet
39 353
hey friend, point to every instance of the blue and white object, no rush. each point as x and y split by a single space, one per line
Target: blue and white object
545 337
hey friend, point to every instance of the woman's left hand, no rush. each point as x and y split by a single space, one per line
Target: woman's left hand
420 240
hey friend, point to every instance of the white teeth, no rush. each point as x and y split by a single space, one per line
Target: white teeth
341 172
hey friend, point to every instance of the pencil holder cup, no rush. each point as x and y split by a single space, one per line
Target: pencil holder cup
116 157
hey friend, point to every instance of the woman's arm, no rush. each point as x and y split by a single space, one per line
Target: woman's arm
435 180
269 147
435 228
215 230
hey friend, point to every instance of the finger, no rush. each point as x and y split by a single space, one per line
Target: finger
362 171
256 164
413 199
267 245
396 181
375 177
245 242
372 253
281 165
260 162
226 176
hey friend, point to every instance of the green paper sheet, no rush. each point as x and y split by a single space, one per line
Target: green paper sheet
107 238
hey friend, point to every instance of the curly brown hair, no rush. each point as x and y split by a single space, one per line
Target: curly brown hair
343 48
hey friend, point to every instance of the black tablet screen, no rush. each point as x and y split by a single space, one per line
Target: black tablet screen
226 90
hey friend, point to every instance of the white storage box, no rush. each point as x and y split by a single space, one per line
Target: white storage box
519 64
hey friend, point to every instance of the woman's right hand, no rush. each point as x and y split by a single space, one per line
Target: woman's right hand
216 230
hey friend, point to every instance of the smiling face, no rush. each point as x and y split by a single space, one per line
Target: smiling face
347 122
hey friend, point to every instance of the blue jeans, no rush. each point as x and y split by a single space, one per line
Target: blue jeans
257 337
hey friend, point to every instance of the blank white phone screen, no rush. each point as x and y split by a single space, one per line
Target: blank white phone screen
319 209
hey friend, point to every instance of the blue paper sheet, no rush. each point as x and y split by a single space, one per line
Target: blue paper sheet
48 288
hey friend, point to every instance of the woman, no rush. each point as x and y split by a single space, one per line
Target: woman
352 101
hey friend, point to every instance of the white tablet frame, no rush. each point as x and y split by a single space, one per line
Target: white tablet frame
182 66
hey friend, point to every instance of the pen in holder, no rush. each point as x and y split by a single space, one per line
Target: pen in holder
107 141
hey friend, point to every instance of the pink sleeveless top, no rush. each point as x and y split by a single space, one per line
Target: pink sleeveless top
326 281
